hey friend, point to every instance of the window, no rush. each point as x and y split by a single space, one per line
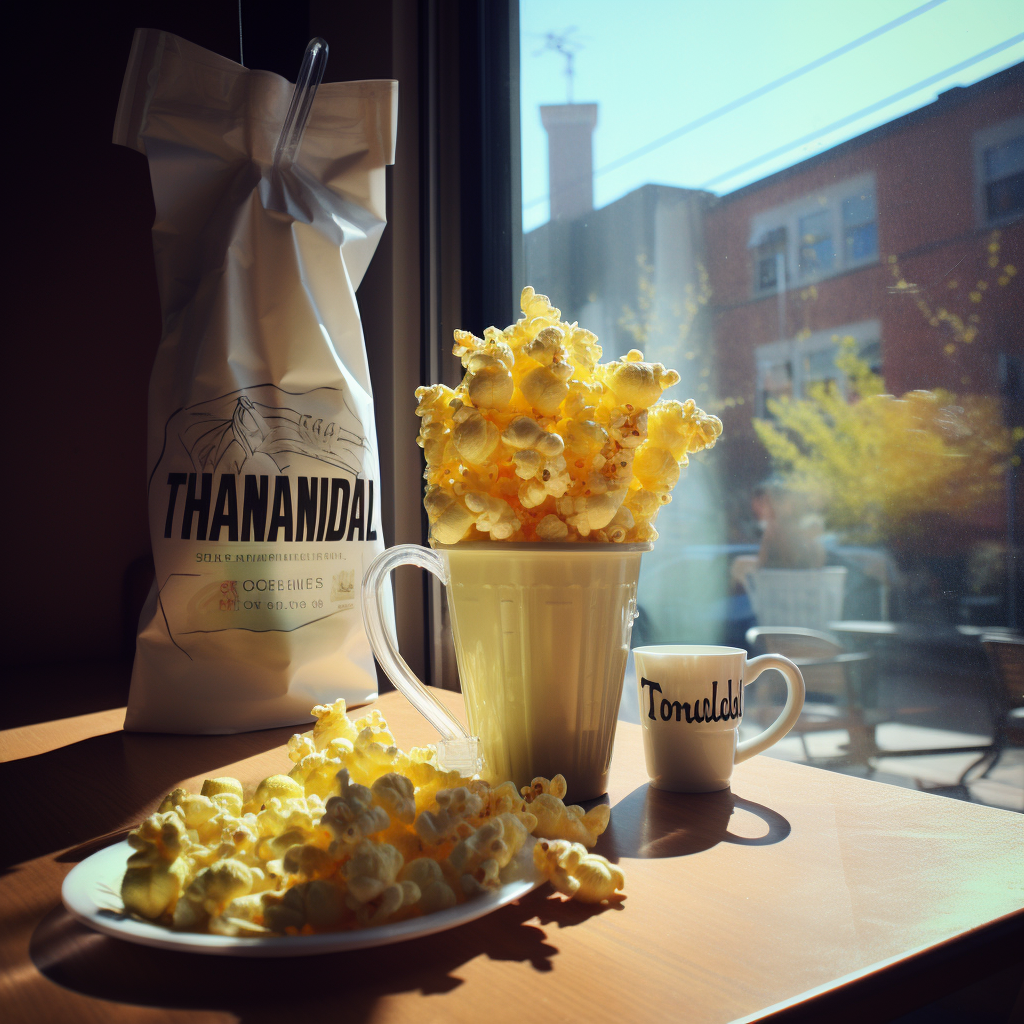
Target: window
860 232
818 235
817 251
787 369
771 261
999 172
775 380
1004 179
767 226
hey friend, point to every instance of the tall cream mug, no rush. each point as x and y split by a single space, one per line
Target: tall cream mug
541 637
691 704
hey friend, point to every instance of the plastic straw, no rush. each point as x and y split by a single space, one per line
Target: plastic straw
314 62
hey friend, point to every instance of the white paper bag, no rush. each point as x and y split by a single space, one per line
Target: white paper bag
264 494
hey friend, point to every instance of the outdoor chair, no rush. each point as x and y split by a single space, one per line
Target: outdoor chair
1006 660
829 670
808 598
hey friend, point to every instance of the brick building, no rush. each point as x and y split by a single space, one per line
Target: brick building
906 238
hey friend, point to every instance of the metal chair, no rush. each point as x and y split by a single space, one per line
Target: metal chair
1006 659
828 670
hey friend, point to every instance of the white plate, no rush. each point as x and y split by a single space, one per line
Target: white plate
91 893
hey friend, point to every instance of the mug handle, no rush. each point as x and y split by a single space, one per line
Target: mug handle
790 713
457 750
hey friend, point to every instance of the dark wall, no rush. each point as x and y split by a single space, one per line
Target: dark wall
86 318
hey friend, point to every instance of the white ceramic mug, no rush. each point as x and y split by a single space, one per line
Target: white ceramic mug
691 704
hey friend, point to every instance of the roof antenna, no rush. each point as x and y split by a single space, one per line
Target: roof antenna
568 47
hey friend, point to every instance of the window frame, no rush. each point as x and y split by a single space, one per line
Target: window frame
983 140
457 64
471 238
787 217
795 350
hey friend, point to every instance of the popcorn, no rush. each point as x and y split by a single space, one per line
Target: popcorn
279 787
555 820
223 787
543 442
357 834
316 773
156 871
210 892
308 907
454 807
634 383
309 861
435 893
352 816
332 723
374 892
396 794
588 877
493 515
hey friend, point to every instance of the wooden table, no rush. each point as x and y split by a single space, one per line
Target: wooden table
799 895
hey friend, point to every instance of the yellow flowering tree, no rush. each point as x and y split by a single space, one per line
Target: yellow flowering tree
669 335
880 466
986 273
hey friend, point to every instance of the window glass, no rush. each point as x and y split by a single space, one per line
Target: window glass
820 224
816 249
1004 190
860 232
776 382
771 260
1006 160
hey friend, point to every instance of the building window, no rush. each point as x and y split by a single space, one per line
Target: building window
999 172
771 261
816 235
787 369
860 228
817 251
1004 172
775 380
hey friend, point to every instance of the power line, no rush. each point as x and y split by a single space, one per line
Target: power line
931 80
756 94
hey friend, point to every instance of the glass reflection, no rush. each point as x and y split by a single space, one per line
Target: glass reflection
852 315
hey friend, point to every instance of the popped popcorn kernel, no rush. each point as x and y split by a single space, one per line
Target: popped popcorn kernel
210 892
588 877
454 807
556 820
359 833
435 892
276 786
543 442
157 871
217 787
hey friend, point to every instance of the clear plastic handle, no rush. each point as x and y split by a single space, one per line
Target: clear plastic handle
790 713
457 750
311 73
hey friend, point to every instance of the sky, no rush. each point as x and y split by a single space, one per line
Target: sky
656 66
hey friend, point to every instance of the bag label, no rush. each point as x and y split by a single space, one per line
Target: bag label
262 511
290 509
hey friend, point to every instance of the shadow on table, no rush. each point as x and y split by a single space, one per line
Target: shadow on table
109 783
345 985
647 823
34 692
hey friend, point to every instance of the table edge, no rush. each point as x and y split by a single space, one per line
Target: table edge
816 1003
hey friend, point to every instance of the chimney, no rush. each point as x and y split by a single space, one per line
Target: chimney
570 127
